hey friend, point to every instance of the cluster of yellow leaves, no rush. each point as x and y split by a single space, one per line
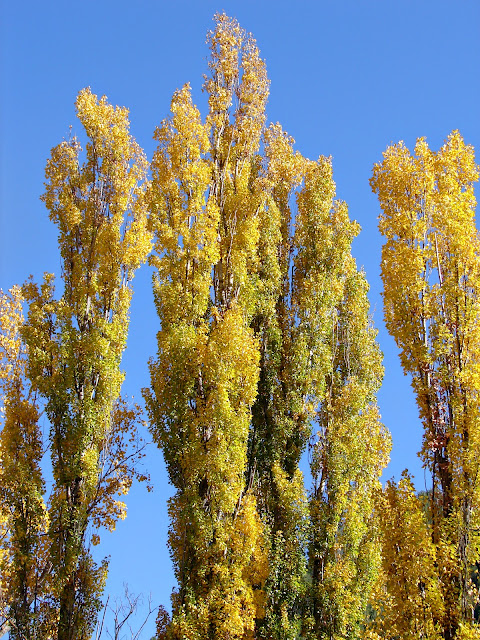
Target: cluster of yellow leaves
214 538
237 74
467 632
407 598
431 275
10 341
23 516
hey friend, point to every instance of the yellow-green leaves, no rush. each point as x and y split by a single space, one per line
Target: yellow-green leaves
349 453
184 224
238 90
98 201
262 312
407 598
204 203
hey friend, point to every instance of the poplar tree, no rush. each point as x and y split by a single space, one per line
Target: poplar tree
320 370
430 271
205 198
349 453
75 346
23 514
247 285
279 427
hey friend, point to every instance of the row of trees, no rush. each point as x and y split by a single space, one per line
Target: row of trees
265 351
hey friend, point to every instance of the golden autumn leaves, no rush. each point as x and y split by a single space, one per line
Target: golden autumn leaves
430 271
263 320
265 350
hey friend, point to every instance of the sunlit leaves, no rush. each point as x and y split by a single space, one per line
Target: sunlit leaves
349 453
75 343
204 203
260 306
430 270
407 599
23 516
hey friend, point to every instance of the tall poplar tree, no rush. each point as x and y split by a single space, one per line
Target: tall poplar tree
430 271
279 427
349 453
205 198
319 358
246 292
75 346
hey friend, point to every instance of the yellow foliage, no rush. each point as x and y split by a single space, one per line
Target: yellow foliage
23 517
407 598
248 314
467 632
97 199
431 275
204 201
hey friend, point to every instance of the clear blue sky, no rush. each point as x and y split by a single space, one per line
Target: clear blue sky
347 79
